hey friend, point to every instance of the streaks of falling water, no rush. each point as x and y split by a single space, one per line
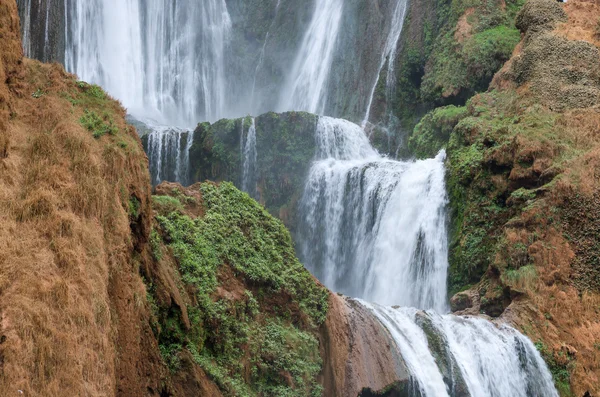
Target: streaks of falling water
492 360
168 154
248 153
306 86
163 60
389 53
372 227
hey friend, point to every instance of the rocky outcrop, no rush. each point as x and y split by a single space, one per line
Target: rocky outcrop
358 353
285 147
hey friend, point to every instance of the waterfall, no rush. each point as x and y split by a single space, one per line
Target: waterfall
162 59
168 151
372 227
465 356
375 228
389 53
248 155
306 86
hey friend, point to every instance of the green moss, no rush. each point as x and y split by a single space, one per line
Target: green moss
277 338
134 207
166 204
433 131
97 125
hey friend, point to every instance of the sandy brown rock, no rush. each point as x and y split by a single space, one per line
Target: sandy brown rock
357 351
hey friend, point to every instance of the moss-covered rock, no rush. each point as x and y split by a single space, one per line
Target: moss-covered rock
249 312
433 131
285 145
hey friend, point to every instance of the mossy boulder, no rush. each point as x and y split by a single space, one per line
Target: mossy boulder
433 131
538 15
241 306
285 145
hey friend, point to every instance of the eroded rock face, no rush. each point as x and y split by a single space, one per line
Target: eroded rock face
358 353
538 15
563 73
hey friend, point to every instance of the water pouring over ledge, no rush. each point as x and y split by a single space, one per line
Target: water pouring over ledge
372 227
375 228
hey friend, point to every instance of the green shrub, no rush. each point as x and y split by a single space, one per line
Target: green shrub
97 125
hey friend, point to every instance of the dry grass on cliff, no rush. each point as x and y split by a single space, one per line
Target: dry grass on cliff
68 284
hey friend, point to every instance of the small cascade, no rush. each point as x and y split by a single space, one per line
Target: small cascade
465 356
307 83
372 227
389 54
248 155
168 151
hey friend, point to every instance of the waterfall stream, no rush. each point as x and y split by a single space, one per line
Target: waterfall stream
389 53
375 229
306 88
163 61
248 155
372 227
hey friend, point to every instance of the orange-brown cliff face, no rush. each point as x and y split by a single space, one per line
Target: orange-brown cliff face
524 175
74 221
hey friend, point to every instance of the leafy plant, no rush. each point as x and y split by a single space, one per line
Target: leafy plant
97 125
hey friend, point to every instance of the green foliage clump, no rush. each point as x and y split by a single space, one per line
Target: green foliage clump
433 131
166 204
134 207
97 125
236 232
459 70
442 66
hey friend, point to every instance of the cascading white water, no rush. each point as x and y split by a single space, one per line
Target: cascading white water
389 52
376 229
306 86
168 153
248 155
163 60
485 359
372 227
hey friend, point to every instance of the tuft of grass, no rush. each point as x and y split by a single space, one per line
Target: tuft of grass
97 125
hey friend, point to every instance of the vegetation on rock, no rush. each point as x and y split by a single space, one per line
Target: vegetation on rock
522 172
252 310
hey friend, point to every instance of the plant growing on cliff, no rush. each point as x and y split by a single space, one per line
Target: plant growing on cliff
270 326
